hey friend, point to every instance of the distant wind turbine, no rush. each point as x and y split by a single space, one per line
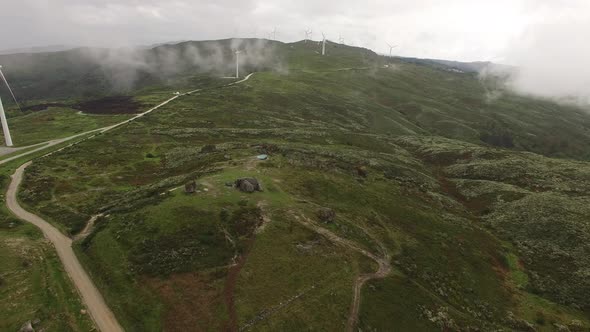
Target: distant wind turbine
340 39
323 44
5 130
308 35
391 47
274 33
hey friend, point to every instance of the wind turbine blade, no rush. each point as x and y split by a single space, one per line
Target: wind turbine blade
9 89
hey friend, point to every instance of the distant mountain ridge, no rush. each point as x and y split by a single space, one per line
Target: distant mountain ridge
38 49
467 67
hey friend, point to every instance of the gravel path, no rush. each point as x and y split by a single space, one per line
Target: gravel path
98 309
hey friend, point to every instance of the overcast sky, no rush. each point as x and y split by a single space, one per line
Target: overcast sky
548 39
450 29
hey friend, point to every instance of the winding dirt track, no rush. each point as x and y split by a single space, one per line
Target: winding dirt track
98 309
383 270
103 317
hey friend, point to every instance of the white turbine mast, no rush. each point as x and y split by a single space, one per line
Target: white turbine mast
340 39
238 63
5 130
323 44
391 47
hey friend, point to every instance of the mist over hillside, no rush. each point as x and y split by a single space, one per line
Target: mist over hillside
87 72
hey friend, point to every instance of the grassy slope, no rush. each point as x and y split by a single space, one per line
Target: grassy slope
42 126
319 125
34 284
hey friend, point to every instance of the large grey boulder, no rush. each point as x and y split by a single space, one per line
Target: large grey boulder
248 185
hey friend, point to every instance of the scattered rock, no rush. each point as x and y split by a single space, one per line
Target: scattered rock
208 148
326 215
229 184
190 187
83 311
27 327
560 328
576 325
248 185
520 324
361 171
227 157
262 157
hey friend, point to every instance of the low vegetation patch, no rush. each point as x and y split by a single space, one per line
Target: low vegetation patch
110 105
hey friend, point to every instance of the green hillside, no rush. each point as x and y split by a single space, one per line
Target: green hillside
469 201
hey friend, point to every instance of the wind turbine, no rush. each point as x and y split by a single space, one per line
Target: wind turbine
238 63
340 39
274 33
391 47
308 35
323 44
5 130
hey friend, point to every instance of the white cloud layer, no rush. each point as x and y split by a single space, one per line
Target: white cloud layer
545 38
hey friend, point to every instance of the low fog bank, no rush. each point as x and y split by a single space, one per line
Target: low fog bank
86 72
126 66
553 60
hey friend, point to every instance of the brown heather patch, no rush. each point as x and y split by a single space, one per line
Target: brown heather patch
190 301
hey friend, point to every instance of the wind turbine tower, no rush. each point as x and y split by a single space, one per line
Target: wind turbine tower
323 44
391 47
5 129
274 33
340 39
238 63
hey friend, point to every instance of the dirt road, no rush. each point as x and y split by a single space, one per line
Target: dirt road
100 312
383 270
